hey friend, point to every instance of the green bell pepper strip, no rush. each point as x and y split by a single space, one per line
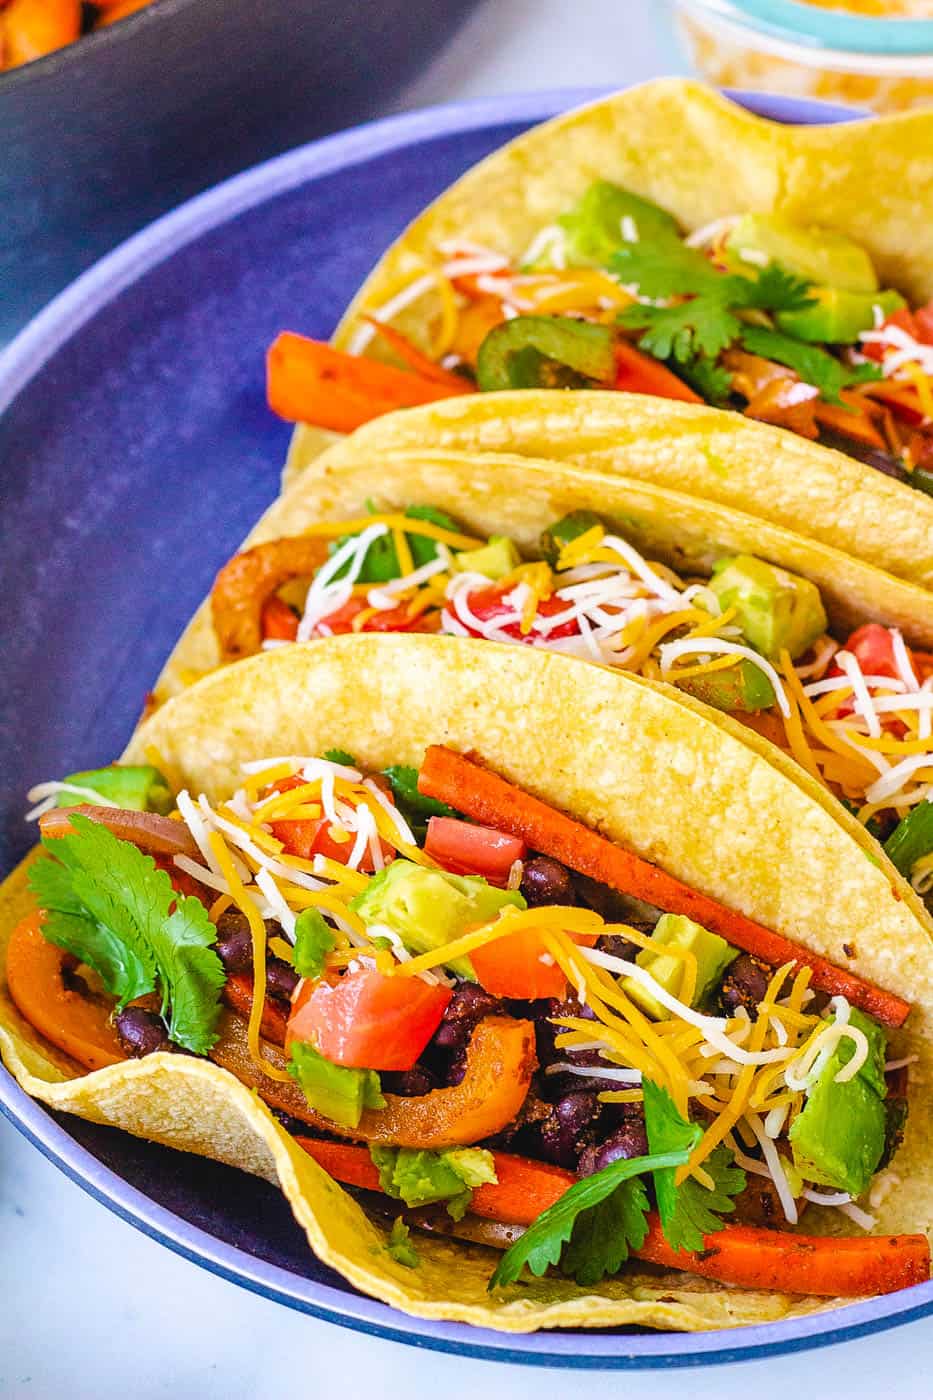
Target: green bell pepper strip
545 352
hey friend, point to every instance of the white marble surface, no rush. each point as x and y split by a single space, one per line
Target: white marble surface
93 1310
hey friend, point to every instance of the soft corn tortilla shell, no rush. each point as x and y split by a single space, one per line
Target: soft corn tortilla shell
709 453
630 758
872 180
519 496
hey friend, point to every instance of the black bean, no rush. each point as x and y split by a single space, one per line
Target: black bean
744 984
871 456
281 978
234 944
619 947
614 907
141 1032
466 1008
560 1133
546 881
409 1083
628 1141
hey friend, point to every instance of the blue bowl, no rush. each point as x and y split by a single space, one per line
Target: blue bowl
139 452
101 137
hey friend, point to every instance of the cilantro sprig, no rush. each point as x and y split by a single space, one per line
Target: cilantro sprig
711 316
591 1230
110 906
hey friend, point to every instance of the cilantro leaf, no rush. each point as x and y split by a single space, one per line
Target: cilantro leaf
667 267
775 289
702 325
191 973
813 364
88 917
543 1243
381 561
314 939
413 805
110 906
711 381
603 1236
340 756
689 1211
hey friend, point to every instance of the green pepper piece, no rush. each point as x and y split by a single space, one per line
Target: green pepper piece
135 787
743 687
911 838
569 527
922 479
545 352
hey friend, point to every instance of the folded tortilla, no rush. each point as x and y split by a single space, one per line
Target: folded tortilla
700 157
620 754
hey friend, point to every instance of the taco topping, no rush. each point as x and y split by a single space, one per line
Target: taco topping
783 322
418 978
856 712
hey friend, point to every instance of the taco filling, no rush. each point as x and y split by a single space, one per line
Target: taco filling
855 711
481 1013
783 322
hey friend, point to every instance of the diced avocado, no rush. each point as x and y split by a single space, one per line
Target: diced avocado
495 559
428 908
569 527
339 1093
821 255
743 687
839 316
137 787
776 610
713 955
420 1177
839 1137
605 217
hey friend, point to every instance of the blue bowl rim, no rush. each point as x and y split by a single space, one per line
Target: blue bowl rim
22 359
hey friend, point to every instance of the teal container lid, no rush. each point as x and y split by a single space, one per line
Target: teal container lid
799 23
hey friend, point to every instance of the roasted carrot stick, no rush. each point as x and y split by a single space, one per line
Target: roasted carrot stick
487 798
823 1266
310 382
738 1254
76 1024
120 10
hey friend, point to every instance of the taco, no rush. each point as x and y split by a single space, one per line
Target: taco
823 660
527 955
665 242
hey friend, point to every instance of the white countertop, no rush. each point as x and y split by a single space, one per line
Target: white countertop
93 1310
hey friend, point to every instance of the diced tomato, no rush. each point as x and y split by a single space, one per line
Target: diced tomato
923 320
279 621
637 373
873 648
464 849
368 1021
488 605
387 620
308 837
514 966
903 318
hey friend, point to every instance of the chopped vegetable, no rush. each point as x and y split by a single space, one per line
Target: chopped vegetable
466 849
339 1093
545 352
486 797
420 1178
415 808
367 1020
310 382
158 835
814 365
108 905
400 1246
594 226
314 938
238 994
641 374
247 583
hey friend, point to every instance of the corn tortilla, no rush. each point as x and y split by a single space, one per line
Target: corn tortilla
632 757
